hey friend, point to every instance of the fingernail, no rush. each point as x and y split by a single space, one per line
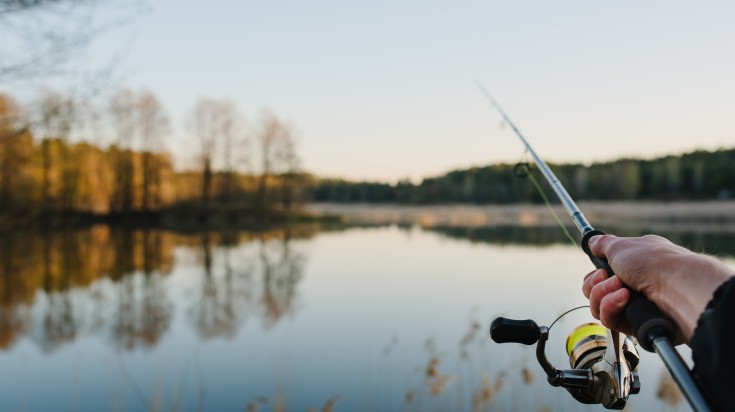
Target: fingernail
619 297
592 240
596 276
600 275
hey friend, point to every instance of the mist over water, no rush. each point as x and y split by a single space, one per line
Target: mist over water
330 318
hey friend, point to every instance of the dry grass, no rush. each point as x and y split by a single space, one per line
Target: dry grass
437 382
668 391
483 396
409 397
527 375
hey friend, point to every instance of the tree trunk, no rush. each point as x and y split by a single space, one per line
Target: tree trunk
206 183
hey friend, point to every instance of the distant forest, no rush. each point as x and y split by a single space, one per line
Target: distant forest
699 175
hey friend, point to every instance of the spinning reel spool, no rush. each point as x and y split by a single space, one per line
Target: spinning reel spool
587 343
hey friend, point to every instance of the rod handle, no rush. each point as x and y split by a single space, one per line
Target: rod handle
504 330
644 317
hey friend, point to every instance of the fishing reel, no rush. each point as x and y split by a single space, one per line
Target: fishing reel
603 362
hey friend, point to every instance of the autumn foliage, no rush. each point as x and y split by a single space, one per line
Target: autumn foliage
50 163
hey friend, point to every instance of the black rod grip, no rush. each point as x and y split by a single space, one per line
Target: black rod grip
504 330
643 316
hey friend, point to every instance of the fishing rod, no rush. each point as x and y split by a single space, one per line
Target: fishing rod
604 362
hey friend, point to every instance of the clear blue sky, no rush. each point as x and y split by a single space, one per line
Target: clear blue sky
385 89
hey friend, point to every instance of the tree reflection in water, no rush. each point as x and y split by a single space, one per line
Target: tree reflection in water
282 270
143 310
56 286
719 243
225 294
233 291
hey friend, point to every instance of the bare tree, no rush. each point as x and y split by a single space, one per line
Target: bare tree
289 162
152 122
227 129
215 125
43 37
57 115
204 125
268 136
122 110
277 156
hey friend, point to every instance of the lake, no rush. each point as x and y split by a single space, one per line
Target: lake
310 317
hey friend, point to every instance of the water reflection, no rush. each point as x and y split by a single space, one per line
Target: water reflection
282 271
73 277
125 269
718 243
143 309
223 299
229 320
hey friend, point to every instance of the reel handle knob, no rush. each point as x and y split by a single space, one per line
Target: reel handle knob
504 330
644 317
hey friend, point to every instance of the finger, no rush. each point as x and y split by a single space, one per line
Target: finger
600 245
612 307
600 290
592 272
593 278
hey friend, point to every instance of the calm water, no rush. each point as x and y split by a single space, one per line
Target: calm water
382 318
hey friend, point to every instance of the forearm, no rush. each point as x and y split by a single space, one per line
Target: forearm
689 287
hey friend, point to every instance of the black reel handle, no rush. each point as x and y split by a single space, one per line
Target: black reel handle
504 330
644 317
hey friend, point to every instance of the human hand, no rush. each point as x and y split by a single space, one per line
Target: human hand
679 281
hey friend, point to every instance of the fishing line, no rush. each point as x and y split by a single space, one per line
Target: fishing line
523 171
569 311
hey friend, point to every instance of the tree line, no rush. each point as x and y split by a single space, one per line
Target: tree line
699 175
59 154
56 158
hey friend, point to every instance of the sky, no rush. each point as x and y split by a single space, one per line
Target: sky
385 90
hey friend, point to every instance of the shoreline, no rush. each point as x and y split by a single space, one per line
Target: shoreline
717 216
176 219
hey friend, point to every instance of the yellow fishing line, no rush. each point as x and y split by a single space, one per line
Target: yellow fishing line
582 332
